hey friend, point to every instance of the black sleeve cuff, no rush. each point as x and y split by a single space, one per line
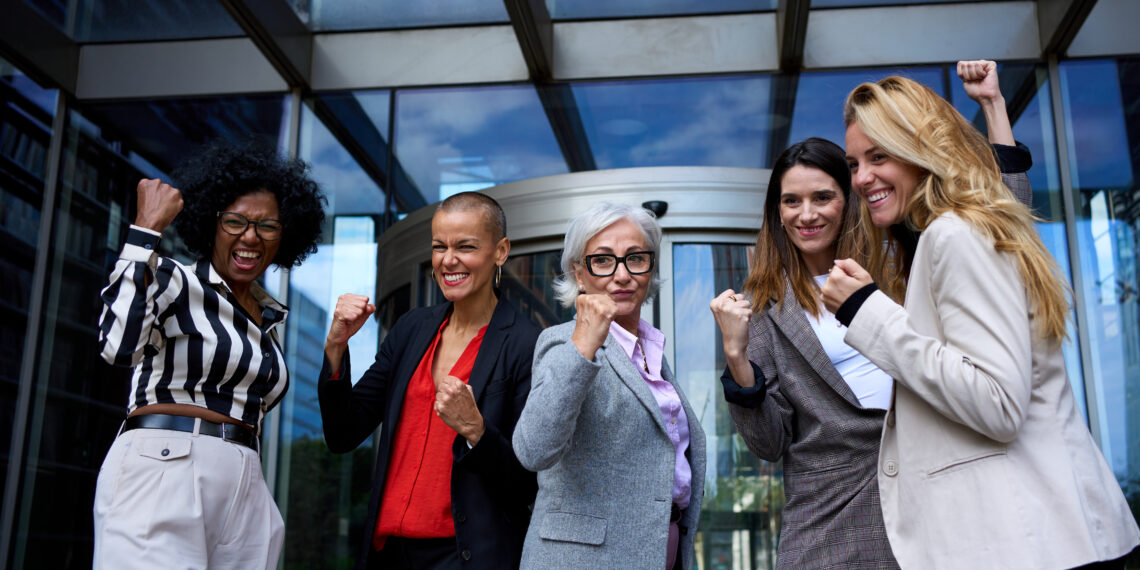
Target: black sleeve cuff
847 310
1013 159
746 397
142 239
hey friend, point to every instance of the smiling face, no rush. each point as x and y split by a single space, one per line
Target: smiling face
811 210
885 183
241 259
464 254
627 290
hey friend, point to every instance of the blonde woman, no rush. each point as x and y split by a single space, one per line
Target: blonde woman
985 460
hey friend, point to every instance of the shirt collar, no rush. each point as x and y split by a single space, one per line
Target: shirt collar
652 341
272 311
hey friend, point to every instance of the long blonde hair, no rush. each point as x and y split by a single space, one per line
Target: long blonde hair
913 124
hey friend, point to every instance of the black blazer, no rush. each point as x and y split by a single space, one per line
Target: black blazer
491 493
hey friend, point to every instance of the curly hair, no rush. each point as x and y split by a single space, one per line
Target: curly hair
222 172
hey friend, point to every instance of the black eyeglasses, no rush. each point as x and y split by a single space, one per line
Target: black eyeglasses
235 224
605 264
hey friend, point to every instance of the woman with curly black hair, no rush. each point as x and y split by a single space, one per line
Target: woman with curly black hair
202 340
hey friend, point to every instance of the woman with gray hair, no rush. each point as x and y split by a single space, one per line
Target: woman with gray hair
619 453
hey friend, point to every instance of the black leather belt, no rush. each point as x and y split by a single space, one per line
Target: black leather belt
228 432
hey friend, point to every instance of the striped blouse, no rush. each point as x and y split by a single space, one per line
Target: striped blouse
187 338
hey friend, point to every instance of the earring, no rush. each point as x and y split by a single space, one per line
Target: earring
433 280
581 289
498 276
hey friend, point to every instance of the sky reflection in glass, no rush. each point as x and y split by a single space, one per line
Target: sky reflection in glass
454 140
820 97
583 9
722 121
337 15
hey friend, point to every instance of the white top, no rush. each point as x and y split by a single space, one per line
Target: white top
871 385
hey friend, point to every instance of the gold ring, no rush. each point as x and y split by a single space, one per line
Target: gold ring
733 297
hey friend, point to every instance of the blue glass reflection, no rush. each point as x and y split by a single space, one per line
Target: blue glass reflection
376 14
350 190
856 3
454 140
820 97
582 9
138 20
724 121
1103 124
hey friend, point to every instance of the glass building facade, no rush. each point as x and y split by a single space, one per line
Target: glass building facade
398 104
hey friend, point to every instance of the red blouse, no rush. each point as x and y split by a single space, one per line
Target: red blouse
417 494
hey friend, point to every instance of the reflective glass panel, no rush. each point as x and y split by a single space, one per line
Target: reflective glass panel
313 485
138 20
744 495
330 15
454 140
585 9
819 98
528 283
856 3
26 112
1103 125
722 121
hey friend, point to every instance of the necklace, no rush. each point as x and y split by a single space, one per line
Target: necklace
644 357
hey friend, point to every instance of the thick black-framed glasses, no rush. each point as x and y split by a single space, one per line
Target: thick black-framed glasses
605 264
235 224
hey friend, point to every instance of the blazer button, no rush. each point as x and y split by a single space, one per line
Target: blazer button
891 468
165 452
466 554
461 518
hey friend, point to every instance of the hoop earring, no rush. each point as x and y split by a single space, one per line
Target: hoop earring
498 276
433 279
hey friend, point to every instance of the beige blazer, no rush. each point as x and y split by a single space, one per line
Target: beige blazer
985 459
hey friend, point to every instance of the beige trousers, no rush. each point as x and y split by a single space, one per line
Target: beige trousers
173 500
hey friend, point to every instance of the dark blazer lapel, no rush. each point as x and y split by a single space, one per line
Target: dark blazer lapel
790 319
628 374
493 340
413 354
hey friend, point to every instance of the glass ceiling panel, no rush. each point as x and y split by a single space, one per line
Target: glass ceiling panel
340 15
820 97
89 21
724 121
587 9
864 3
454 140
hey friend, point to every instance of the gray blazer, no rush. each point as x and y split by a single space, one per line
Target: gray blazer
810 418
985 461
595 435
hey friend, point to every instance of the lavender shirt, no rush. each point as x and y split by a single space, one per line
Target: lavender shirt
676 422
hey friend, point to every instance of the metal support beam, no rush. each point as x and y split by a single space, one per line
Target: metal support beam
343 116
535 32
277 31
37 47
562 112
791 24
1058 22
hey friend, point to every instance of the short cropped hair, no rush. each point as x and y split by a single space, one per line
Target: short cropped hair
493 212
221 172
590 223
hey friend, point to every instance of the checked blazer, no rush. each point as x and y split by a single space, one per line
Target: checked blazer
810 418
